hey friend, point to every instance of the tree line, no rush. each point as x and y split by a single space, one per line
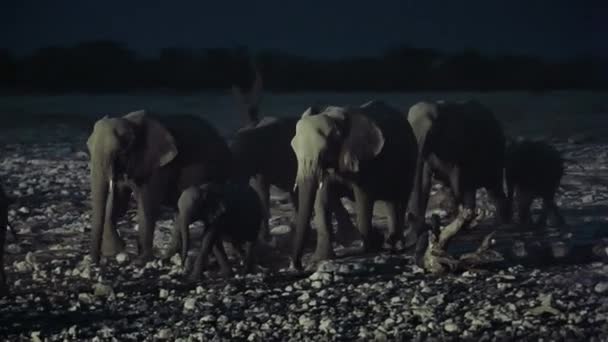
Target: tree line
109 66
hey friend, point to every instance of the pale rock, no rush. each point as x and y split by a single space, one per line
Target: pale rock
190 303
601 287
122 258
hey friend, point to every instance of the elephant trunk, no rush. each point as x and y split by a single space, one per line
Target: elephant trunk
307 181
100 190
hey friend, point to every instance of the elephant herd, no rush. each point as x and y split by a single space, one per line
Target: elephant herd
368 153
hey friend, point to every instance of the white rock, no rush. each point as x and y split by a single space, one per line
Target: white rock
601 287
280 230
164 334
35 336
85 298
306 322
326 325
122 258
450 327
163 293
587 199
103 290
190 303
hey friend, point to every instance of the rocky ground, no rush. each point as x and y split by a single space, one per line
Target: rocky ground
58 295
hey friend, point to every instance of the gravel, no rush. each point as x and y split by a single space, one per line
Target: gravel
57 294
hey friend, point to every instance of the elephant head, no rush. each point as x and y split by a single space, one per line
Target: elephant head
338 140
122 148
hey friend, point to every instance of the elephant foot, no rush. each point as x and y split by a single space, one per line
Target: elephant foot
347 237
410 240
373 243
296 265
170 252
555 221
193 277
226 273
112 248
323 254
143 259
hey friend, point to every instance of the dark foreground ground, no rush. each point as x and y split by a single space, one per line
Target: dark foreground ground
58 295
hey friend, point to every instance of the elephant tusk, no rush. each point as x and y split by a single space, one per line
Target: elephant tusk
295 187
320 184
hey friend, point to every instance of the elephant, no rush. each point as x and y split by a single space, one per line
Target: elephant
367 153
154 158
262 151
230 211
534 169
5 201
461 144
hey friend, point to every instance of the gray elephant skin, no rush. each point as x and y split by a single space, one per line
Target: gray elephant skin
231 212
534 169
461 144
262 151
154 158
4 204
366 153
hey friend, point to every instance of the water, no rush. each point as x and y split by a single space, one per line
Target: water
555 114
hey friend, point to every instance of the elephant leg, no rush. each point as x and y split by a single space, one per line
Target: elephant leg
364 208
524 201
347 232
324 250
417 220
249 259
510 191
262 188
222 259
210 239
497 196
148 207
175 244
555 219
395 216
116 207
187 204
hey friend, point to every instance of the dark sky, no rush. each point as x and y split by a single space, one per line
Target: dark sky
550 28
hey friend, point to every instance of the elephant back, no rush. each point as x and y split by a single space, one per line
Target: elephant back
534 165
199 142
265 149
397 160
466 133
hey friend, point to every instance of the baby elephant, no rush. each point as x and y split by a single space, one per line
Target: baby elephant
534 169
230 212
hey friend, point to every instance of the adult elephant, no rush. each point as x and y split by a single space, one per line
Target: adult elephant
262 152
155 158
367 153
463 144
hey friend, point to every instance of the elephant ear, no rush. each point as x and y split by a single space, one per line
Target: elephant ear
93 136
159 147
363 142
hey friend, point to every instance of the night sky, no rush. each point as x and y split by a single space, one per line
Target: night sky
553 29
